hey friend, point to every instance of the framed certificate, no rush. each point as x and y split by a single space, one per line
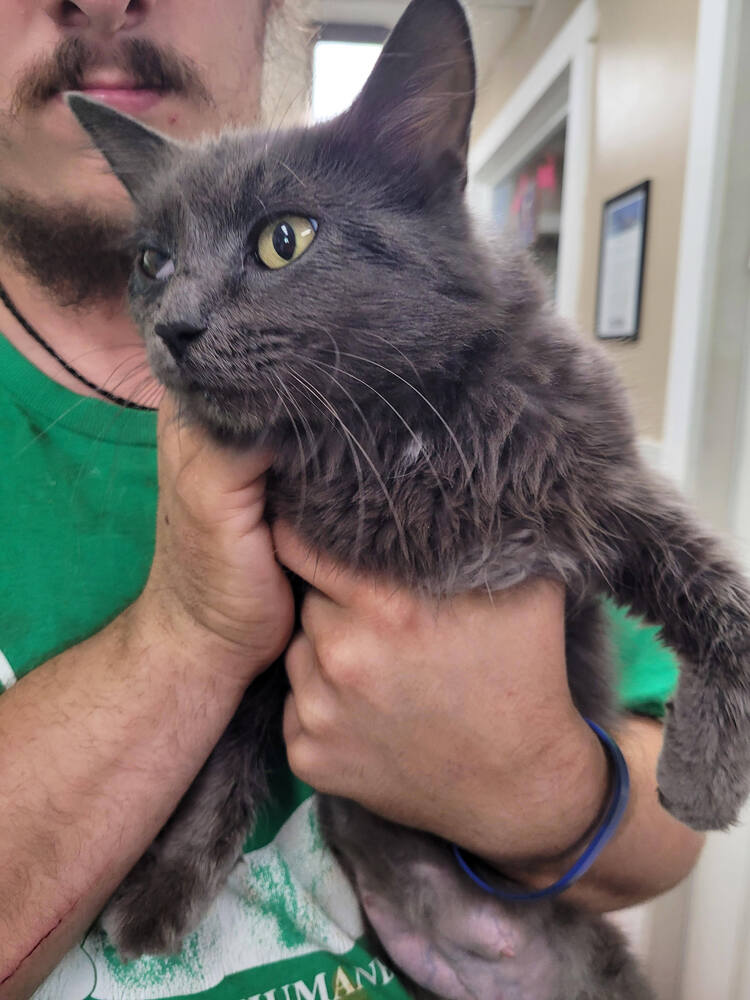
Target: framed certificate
621 259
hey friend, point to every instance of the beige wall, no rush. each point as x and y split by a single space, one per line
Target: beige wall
530 40
644 75
644 80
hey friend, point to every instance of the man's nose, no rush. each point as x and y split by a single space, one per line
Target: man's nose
105 17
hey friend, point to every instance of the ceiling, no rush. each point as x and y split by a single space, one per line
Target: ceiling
494 22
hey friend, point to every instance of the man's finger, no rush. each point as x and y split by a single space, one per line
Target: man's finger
184 444
339 584
291 726
299 661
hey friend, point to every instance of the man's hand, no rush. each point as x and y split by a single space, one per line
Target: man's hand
214 577
452 717
457 718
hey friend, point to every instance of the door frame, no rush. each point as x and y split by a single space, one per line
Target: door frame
560 86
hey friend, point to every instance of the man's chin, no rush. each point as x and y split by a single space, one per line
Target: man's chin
75 254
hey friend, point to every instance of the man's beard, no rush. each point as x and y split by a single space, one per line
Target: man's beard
76 256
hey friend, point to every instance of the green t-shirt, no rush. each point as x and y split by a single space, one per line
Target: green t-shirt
78 496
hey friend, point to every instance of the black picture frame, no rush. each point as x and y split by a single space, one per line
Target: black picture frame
622 260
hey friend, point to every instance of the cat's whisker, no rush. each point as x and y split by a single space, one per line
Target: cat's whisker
277 104
275 124
351 440
65 414
303 459
327 370
286 166
179 420
139 392
143 399
138 358
262 204
313 393
154 395
271 422
137 368
336 350
412 433
148 394
407 359
104 349
48 428
138 363
112 384
464 461
314 449
386 493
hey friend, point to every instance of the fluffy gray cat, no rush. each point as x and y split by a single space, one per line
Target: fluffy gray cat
323 290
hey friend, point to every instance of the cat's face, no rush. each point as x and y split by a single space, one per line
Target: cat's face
310 271
381 281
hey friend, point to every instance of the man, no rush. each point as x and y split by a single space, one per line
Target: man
141 649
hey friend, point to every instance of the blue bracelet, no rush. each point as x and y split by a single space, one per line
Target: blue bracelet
604 833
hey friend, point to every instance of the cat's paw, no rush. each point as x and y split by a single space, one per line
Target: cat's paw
700 801
704 770
150 916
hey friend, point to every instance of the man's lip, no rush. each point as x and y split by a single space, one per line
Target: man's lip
109 79
123 96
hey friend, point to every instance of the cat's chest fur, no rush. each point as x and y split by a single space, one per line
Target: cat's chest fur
429 504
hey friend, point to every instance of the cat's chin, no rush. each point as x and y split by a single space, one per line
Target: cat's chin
230 418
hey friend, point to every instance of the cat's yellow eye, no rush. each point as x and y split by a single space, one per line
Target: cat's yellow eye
284 240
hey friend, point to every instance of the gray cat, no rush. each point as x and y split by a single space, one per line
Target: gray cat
323 290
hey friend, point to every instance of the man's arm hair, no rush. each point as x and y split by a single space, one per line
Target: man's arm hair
98 746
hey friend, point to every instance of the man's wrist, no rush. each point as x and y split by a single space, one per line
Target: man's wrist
151 624
568 784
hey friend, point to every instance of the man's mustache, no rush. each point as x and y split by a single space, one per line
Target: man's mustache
148 65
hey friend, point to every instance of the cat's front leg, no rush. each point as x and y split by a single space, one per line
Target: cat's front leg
457 942
170 889
674 573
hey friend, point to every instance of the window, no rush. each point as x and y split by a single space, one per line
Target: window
342 60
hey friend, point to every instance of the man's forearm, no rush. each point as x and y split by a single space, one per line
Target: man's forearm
98 746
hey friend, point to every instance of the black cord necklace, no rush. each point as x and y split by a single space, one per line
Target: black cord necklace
127 404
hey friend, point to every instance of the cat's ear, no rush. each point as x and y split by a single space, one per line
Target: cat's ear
419 99
133 151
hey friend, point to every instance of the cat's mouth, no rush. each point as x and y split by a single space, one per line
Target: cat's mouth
225 406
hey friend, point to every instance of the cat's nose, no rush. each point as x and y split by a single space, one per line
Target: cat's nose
178 336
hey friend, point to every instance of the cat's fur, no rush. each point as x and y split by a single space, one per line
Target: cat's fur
434 423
